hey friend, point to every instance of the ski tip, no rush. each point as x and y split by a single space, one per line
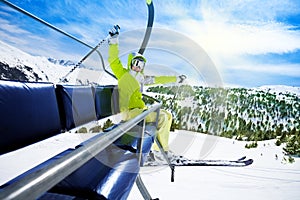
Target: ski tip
242 158
249 162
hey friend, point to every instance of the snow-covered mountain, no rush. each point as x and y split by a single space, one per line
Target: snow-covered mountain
246 114
62 62
280 89
18 65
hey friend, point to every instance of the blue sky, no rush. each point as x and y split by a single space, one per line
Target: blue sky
250 43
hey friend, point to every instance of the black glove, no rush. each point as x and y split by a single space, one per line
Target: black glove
114 35
114 31
181 78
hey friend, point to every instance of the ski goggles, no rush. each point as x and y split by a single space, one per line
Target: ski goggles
138 63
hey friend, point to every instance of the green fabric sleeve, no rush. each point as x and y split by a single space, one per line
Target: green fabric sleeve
164 79
114 61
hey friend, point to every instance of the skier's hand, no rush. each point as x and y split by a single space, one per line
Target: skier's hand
114 35
114 31
181 78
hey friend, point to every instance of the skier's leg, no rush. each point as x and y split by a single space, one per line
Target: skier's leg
129 114
163 130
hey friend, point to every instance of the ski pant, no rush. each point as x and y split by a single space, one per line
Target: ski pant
163 128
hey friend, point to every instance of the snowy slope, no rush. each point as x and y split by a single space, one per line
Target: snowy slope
49 70
280 89
46 70
267 178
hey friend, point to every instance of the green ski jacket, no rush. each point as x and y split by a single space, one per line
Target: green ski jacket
130 89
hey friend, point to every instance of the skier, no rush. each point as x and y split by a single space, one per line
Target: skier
130 83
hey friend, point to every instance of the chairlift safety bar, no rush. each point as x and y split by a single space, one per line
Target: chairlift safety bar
34 185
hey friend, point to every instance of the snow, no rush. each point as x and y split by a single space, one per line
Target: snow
267 178
50 72
280 89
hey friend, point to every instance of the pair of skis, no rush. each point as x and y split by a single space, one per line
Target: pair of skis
182 161
241 162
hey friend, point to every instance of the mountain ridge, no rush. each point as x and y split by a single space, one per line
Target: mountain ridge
20 66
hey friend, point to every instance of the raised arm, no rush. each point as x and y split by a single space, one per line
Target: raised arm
113 53
114 61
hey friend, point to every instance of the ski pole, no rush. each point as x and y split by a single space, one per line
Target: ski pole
172 166
64 78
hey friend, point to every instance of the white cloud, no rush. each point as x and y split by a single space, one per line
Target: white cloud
237 27
230 30
291 70
11 28
234 27
248 10
238 39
